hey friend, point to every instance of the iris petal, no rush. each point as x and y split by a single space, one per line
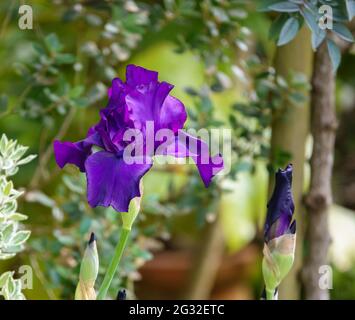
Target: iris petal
112 182
136 76
145 103
73 153
186 145
173 114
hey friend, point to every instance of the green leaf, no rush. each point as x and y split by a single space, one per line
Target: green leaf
343 32
65 58
3 143
285 6
318 35
20 151
20 237
39 49
17 217
27 159
10 287
8 232
276 26
4 101
9 186
334 53
350 6
76 92
318 38
40 197
264 5
4 277
52 43
288 31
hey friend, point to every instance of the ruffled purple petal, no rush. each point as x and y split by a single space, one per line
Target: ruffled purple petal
116 94
136 76
145 103
74 153
185 145
173 114
112 182
280 206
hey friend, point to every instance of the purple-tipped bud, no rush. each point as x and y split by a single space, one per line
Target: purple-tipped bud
280 207
279 233
122 295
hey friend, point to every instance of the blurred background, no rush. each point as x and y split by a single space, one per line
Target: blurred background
188 241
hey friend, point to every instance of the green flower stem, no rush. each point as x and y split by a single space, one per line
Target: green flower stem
270 294
113 264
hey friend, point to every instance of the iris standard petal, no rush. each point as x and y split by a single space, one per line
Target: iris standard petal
116 93
136 76
112 182
74 153
173 114
145 103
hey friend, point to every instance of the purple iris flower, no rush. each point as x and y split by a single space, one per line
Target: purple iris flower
280 207
141 99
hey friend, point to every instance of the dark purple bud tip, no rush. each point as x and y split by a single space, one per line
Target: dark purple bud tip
280 207
122 295
92 238
292 227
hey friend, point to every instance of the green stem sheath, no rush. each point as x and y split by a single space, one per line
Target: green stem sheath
110 273
270 294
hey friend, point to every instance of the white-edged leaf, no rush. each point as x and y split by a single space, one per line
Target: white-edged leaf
276 26
40 197
10 286
318 38
3 143
350 6
6 256
8 232
285 6
19 152
4 277
27 159
288 31
20 237
334 53
17 217
343 32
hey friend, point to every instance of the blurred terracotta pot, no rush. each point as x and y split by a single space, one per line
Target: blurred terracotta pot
166 276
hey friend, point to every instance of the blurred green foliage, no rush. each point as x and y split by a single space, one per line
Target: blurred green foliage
54 82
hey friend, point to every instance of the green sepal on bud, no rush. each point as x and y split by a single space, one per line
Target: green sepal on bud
278 259
129 217
89 269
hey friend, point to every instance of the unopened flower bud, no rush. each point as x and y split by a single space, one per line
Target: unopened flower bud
279 233
122 295
89 269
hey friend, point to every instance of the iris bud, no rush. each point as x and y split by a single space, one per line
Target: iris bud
89 269
279 233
